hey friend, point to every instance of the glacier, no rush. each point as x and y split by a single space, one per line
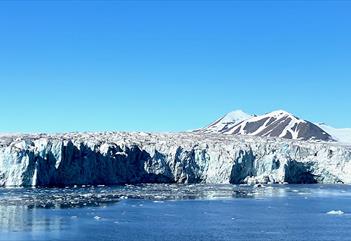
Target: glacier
137 157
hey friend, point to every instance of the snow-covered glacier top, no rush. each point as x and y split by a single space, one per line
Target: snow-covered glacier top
192 157
342 135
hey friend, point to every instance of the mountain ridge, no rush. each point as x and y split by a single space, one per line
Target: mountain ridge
279 123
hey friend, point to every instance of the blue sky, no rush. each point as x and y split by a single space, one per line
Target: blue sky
171 65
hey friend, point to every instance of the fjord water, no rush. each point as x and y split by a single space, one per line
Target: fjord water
177 212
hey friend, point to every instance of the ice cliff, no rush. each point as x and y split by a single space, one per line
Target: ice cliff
120 158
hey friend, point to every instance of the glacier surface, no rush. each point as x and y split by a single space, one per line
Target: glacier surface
131 158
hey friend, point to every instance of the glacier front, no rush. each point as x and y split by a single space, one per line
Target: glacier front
131 158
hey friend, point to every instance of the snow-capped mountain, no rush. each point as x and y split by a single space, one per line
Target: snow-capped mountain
342 135
227 122
274 124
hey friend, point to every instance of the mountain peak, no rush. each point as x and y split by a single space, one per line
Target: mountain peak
280 113
226 122
235 116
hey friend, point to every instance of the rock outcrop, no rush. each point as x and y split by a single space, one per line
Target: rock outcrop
121 158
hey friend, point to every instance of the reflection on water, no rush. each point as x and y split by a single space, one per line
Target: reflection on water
22 218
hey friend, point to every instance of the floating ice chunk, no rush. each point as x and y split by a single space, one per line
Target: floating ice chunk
303 193
335 212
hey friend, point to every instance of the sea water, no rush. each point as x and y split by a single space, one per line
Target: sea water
177 212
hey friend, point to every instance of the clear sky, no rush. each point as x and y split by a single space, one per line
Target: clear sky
170 65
